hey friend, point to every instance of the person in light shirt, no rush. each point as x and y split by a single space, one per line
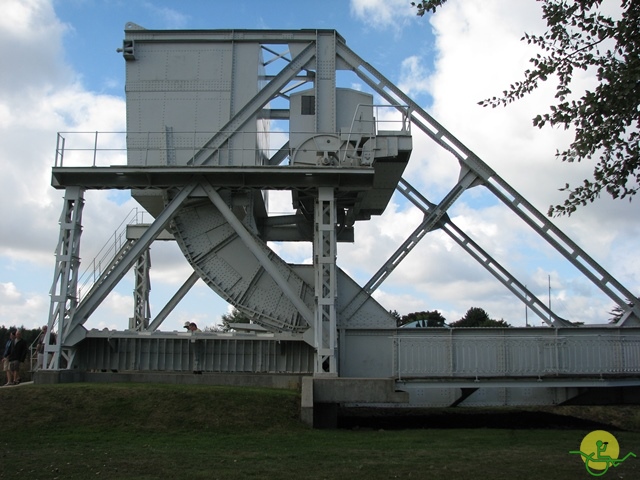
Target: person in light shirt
191 327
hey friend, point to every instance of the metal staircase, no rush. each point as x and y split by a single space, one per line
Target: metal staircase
111 253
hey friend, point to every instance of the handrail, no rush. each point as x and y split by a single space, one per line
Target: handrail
376 121
33 357
484 355
108 148
107 253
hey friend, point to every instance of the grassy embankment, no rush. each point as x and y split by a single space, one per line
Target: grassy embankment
160 431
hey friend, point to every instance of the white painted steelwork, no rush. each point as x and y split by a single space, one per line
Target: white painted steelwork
64 296
198 352
183 81
326 282
199 159
471 355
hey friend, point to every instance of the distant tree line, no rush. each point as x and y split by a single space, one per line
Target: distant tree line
475 317
235 316
29 335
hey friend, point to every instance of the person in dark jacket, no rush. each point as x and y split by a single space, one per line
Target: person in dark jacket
17 356
5 355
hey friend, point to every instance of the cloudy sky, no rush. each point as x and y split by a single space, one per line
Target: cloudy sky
61 73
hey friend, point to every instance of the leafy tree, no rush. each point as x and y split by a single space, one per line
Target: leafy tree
213 328
29 335
605 120
478 317
428 319
234 317
396 316
427 6
617 313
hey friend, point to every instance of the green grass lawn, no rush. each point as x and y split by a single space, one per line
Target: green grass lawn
124 431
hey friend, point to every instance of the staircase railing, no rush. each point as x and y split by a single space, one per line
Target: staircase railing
107 254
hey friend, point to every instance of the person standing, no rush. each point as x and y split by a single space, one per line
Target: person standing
191 327
40 346
17 356
5 355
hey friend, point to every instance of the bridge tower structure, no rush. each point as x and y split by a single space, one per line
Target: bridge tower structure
218 119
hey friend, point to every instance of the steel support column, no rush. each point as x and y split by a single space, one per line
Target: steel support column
64 290
324 263
141 307
325 83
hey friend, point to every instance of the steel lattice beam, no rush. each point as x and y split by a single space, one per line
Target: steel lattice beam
64 290
91 302
469 161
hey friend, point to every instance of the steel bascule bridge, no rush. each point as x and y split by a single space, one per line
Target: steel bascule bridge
200 105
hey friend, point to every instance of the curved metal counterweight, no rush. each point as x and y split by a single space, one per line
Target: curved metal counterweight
224 262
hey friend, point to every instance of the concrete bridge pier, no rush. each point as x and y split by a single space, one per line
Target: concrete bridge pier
321 397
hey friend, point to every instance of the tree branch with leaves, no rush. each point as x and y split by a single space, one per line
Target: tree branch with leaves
606 119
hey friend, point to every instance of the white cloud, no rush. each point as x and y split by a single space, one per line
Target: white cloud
39 96
31 45
382 13
170 18
9 293
21 308
414 76
479 53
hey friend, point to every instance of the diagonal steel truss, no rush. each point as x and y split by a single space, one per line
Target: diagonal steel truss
473 172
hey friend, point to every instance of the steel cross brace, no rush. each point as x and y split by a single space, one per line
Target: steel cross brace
258 252
431 220
206 153
91 302
501 189
482 257
173 302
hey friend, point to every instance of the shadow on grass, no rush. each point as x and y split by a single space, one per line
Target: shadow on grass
388 419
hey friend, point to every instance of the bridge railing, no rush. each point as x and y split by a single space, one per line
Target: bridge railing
104 149
489 356
169 147
107 253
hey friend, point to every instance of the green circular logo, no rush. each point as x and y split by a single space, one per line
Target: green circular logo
600 451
